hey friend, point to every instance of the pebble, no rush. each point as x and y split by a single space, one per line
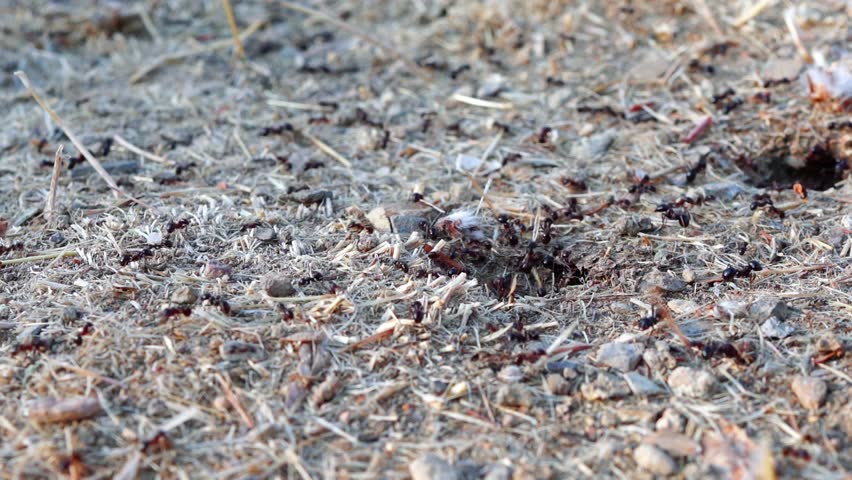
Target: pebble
766 307
556 384
620 356
217 269
671 421
510 374
497 471
406 224
654 460
633 226
810 391
514 396
278 287
184 295
378 217
57 238
598 144
430 466
775 328
656 281
314 197
265 234
723 190
691 382
641 385
71 314
605 387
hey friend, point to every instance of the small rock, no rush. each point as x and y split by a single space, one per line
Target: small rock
634 225
510 374
641 385
217 269
278 287
556 384
491 86
514 396
683 307
598 144
497 471
57 238
723 190
688 275
657 281
774 328
691 382
265 234
378 217
766 307
70 314
605 387
671 421
314 197
620 356
184 295
467 163
234 350
654 460
781 69
810 391
430 466
406 224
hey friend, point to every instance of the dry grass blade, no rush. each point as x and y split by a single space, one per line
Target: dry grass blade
138 151
232 398
50 204
52 410
235 30
76 141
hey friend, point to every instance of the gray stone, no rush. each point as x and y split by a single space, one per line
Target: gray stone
691 382
406 224
184 295
430 466
515 396
497 471
654 460
510 374
278 287
634 225
656 281
774 328
556 384
605 387
598 144
620 356
641 385
766 307
723 190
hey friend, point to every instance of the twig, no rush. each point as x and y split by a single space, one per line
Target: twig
50 206
358 33
752 12
138 151
210 47
327 149
232 398
790 20
235 30
371 339
77 143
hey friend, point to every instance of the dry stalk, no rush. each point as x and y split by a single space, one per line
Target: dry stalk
50 204
235 30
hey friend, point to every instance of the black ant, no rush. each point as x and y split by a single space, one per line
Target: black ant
642 185
699 167
178 225
672 212
529 259
574 185
764 200
545 236
128 258
416 312
645 323
502 286
732 272
715 349
170 312
217 302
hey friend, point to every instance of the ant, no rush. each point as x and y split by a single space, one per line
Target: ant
502 286
416 310
574 185
218 302
764 200
800 190
731 272
127 258
696 169
645 323
178 225
642 185
724 349
672 211
170 312
530 258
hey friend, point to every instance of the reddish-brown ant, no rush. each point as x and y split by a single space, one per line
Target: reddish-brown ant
699 167
764 200
178 225
87 329
128 258
170 312
645 323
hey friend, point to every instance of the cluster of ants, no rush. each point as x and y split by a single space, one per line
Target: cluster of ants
129 257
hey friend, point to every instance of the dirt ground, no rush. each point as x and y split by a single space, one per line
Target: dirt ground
432 239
